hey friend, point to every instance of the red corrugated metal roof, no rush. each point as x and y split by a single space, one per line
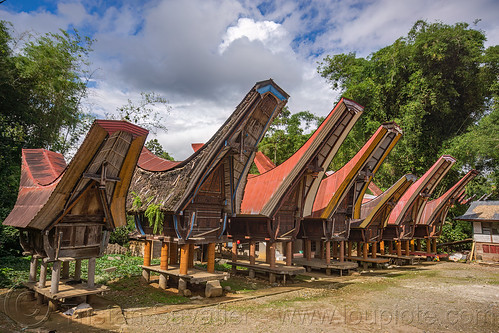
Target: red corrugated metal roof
196 146
432 177
150 162
40 171
261 188
375 189
112 126
447 198
263 162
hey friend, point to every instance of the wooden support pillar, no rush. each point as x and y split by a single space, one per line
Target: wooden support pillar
382 247
399 248
234 254
412 245
65 270
147 253
428 245
43 274
164 256
390 247
308 249
418 244
350 249
33 267
328 252
342 252
322 250
407 247
365 250
317 249
272 254
77 275
211 258
335 249
289 253
184 259
173 253
267 252
374 251
252 251
434 249
191 255
359 249
56 275
91 273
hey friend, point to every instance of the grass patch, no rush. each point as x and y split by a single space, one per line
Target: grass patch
221 267
242 285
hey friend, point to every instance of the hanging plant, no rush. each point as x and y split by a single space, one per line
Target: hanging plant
155 216
137 201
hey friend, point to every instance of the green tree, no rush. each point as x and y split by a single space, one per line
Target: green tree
287 134
434 83
157 149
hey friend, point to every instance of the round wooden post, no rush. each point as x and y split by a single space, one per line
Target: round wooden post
308 249
335 249
184 259
418 244
77 275
374 250
272 254
434 246
191 255
317 249
289 253
407 247
91 273
428 245
56 274
342 251
211 258
399 248
267 252
328 252
147 253
322 250
252 249
173 253
390 247
412 245
382 247
359 249
365 250
33 267
350 249
164 256
65 270
43 274
234 254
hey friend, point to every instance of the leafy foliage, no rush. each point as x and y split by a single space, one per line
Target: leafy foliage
120 234
155 217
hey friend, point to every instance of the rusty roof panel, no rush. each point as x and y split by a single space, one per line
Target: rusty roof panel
150 162
42 165
409 206
196 146
435 207
263 163
112 126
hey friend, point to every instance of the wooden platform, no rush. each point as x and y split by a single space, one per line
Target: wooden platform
279 269
316 263
193 275
400 260
66 290
430 255
368 260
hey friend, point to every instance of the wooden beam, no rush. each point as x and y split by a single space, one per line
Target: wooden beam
289 253
434 249
382 247
350 249
56 275
390 247
328 252
91 273
65 270
184 259
173 253
412 245
418 245
77 275
43 274
365 250
342 252
272 254
33 267
308 249
211 258
335 249
252 249
359 249
234 254
399 248
374 250
407 247
147 253
191 255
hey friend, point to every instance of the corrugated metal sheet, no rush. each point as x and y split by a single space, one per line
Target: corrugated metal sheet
263 163
150 162
436 206
196 146
424 186
42 165
112 126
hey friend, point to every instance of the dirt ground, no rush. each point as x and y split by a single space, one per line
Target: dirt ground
429 297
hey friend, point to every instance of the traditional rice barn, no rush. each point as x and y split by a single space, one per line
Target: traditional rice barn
339 199
429 226
275 202
191 202
65 213
408 210
485 218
